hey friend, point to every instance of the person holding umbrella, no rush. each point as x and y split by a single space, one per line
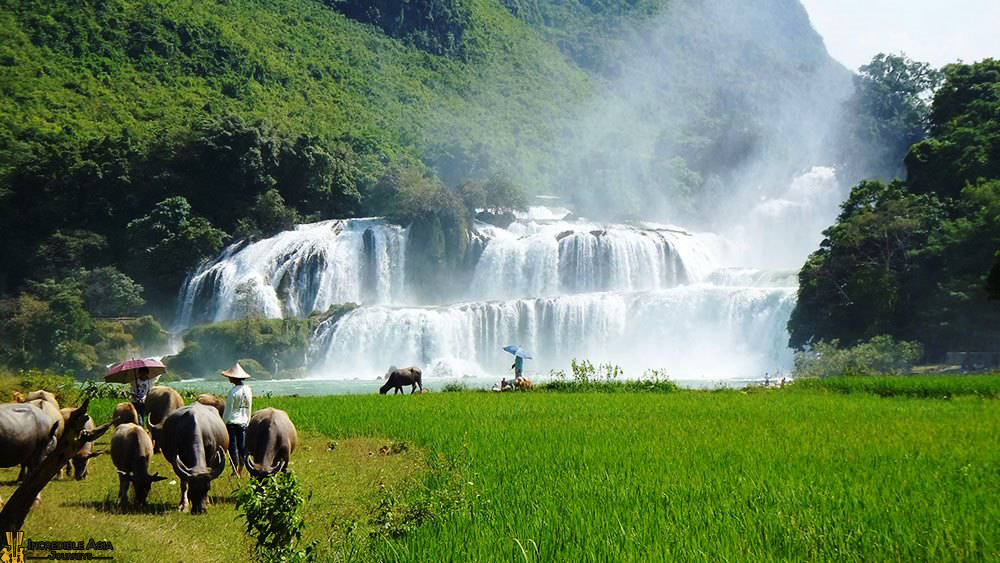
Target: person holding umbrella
142 374
520 354
237 415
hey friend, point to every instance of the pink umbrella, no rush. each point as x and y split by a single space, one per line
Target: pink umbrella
127 372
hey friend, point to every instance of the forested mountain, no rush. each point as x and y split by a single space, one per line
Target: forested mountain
137 138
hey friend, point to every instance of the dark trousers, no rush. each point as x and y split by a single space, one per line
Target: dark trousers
140 409
237 444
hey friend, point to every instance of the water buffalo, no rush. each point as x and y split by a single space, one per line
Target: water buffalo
131 451
271 439
125 413
26 435
81 459
160 402
400 377
51 412
43 395
194 440
213 401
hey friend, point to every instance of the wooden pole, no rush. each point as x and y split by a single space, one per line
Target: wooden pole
73 437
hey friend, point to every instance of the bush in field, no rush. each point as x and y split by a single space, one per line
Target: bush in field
454 387
606 378
881 355
272 508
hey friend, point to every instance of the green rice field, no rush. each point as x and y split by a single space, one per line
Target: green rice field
799 473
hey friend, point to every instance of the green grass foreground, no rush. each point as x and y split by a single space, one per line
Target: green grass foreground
773 475
694 476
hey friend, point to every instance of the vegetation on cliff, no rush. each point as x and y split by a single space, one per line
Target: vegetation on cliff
913 258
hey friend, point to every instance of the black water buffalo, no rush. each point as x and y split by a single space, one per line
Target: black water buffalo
125 413
160 402
400 377
271 439
211 400
81 459
26 435
131 451
194 440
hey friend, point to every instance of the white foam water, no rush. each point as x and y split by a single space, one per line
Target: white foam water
298 272
692 332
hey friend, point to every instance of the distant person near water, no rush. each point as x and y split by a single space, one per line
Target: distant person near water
518 367
237 415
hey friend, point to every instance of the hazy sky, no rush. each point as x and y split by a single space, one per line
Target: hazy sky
934 31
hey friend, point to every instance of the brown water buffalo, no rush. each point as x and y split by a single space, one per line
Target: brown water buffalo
43 395
131 452
194 440
400 377
523 385
79 463
271 439
26 435
213 401
160 402
125 413
51 412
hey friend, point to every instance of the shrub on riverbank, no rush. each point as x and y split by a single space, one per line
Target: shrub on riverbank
881 355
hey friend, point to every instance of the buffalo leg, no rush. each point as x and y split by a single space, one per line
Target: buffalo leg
123 484
184 496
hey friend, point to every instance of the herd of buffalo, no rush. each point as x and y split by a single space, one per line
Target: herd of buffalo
192 438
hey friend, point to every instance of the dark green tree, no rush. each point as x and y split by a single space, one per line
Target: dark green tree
110 293
965 121
858 284
889 112
168 242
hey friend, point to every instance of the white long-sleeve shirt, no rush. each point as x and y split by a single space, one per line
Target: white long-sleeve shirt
238 404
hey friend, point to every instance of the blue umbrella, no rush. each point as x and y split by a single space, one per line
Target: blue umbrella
518 351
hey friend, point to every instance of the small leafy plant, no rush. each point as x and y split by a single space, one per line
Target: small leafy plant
272 508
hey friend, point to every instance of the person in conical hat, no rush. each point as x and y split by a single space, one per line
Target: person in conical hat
237 415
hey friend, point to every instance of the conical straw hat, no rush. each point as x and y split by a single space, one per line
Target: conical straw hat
235 372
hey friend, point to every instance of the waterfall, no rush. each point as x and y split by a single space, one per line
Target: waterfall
693 332
298 272
641 296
